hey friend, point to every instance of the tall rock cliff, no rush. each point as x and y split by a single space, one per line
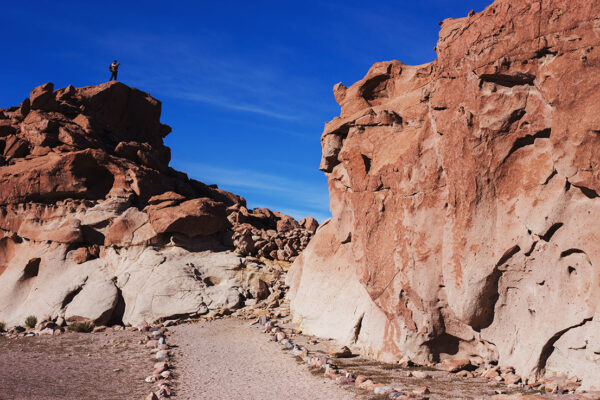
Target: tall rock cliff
94 223
464 196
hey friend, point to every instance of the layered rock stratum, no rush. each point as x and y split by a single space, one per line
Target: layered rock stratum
94 224
464 195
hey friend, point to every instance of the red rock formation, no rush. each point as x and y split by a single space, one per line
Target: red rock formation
464 199
86 191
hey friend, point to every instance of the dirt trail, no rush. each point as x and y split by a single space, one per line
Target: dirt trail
228 359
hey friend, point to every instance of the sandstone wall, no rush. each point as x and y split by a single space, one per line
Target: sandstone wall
464 196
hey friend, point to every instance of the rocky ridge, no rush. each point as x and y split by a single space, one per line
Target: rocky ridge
94 223
464 196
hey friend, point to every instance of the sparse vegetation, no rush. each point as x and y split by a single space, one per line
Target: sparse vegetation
31 321
2 326
84 326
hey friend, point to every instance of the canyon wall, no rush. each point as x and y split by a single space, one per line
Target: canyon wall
94 223
464 196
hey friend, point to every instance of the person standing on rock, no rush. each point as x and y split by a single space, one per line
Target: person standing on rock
114 69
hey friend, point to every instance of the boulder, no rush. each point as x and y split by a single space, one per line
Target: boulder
310 224
94 300
197 217
6 128
42 97
15 147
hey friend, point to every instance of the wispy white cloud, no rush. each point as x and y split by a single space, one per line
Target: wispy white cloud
196 69
294 197
227 103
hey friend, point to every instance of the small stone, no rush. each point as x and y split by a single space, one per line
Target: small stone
161 364
368 384
421 390
464 374
280 336
359 380
551 386
491 373
396 395
331 373
421 374
166 374
152 396
343 352
151 343
344 380
455 365
511 379
383 389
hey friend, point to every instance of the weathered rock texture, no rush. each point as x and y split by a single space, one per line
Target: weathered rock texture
95 224
464 196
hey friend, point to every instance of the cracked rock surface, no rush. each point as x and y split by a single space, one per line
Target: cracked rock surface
464 195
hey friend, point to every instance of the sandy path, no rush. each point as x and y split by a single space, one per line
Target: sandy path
228 359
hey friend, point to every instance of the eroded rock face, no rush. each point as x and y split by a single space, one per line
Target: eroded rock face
94 224
464 196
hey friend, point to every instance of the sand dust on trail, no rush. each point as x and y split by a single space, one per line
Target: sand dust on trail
228 359
74 366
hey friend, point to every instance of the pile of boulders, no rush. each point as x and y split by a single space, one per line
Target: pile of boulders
269 234
282 246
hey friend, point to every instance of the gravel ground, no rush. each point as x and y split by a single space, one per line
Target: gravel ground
228 359
74 366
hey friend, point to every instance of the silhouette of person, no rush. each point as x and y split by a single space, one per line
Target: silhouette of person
114 69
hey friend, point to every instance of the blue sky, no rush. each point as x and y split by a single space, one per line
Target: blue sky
246 85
